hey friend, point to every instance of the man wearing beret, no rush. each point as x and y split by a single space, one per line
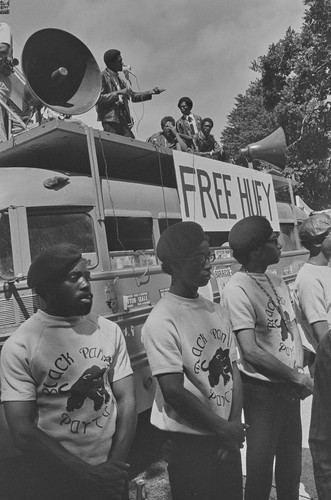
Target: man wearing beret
67 387
312 294
113 104
198 399
271 359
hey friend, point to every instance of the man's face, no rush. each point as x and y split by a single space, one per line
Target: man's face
326 244
206 128
4 50
118 63
168 128
195 271
185 108
72 297
271 250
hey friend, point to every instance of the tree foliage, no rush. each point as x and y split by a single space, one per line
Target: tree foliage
293 91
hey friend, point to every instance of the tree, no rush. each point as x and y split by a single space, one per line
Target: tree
294 89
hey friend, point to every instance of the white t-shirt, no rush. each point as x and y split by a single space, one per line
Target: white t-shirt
312 298
193 337
251 308
67 365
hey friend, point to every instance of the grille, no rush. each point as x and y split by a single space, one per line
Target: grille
11 314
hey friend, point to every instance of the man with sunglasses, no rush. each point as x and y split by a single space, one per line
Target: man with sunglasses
313 307
198 400
271 358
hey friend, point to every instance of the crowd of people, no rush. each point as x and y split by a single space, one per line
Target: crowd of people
67 384
189 133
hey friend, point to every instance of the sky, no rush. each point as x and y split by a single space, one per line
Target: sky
196 48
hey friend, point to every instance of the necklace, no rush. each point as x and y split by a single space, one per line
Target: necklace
285 320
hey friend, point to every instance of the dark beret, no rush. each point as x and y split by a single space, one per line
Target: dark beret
314 226
110 56
250 233
53 265
187 100
180 240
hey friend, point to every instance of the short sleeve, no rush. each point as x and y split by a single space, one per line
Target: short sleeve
17 383
240 309
121 366
161 342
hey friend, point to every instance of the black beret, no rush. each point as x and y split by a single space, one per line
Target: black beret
250 233
53 265
180 240
110 56
314 226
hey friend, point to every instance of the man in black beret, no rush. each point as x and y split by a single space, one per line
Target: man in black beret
113 104
271 361
67 387
198 399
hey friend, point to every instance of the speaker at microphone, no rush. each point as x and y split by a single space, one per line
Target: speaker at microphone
61 71
271 149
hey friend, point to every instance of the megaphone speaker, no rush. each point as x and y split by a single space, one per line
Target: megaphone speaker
61 71
271 149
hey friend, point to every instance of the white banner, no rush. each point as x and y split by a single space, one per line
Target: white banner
217 194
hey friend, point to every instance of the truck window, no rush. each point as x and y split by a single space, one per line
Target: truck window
164 223
48 229
6 254
129 233
287 237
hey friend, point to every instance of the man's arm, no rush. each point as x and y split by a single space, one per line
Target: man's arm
269 364
144 96
189 407
298 344
319 329
126 421
31 440
237 395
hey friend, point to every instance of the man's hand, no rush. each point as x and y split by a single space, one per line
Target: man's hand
112 476
157 90
306 386
233 436
125 92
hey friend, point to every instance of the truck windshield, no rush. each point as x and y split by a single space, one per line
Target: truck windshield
46 230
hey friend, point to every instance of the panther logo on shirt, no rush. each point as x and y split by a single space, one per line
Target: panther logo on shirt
220 365
89 385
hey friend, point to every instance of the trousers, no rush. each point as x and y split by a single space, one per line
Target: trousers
274 434
195 473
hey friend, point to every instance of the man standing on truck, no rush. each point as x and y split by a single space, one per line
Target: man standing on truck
271 361
198 399
67 387
113 104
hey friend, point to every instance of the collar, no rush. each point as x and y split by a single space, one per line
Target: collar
111 73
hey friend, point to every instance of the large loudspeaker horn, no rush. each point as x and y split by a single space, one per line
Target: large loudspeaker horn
271 149
61 71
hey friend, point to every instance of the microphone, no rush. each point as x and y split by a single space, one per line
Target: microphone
127 71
